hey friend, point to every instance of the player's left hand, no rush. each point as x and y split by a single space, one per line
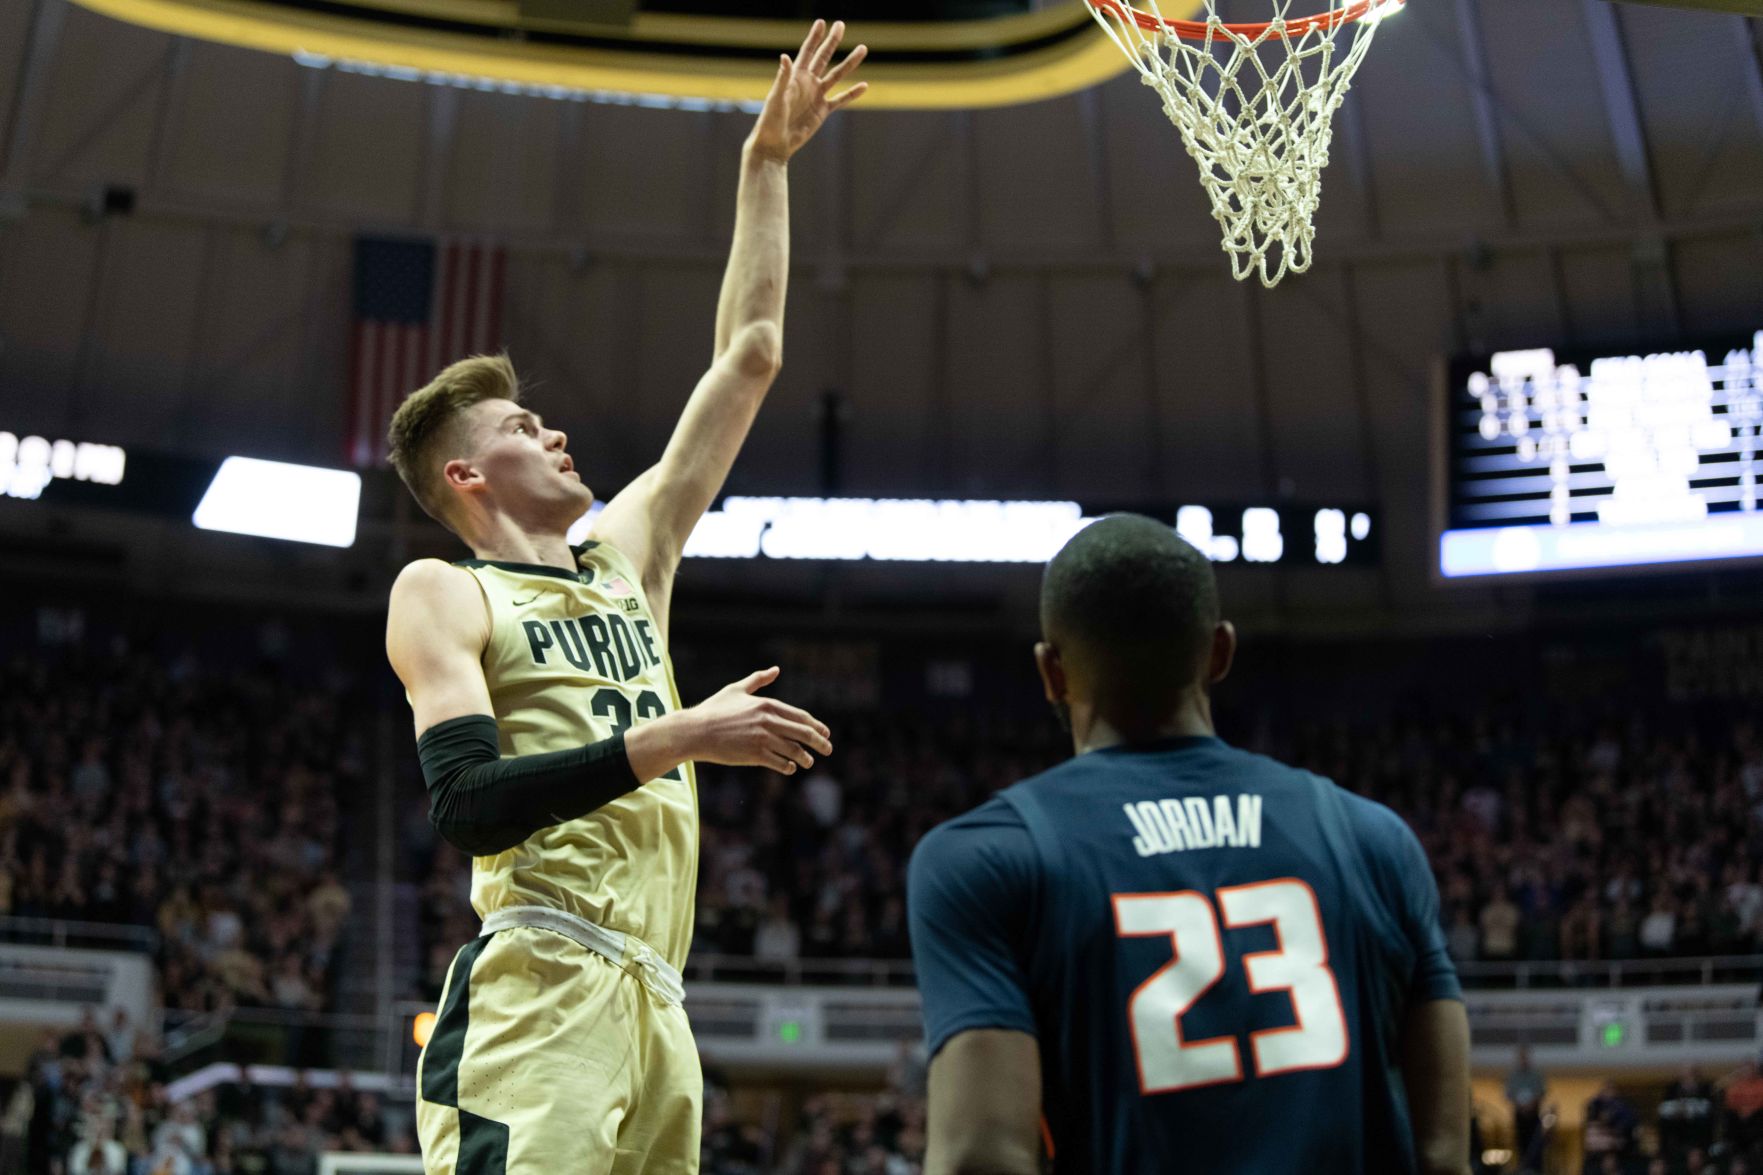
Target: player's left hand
801 95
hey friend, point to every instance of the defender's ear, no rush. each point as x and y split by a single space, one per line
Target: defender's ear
1224 652
1052 671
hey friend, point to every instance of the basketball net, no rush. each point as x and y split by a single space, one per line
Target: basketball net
1255 107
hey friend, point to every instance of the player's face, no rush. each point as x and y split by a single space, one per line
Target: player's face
525 466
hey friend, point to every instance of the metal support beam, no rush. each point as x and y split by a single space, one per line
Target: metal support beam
85 354
1249 300
1046 362
166 117
709 211
908 180
1516 121
1485 110
42 41
303 139
1200 258
1358 153
1621 107
1749 34
1355 338
188 415
1558 295
1156 427
124 102
437 156
1092 112
971 186
566 191
939 447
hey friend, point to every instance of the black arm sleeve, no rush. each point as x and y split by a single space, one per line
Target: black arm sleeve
484 804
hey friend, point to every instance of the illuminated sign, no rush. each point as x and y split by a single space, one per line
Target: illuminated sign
276 500
923 530
1628 460
28 464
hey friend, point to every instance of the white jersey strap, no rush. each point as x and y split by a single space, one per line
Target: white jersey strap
624 951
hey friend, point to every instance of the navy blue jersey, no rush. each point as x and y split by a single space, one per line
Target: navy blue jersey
1215 952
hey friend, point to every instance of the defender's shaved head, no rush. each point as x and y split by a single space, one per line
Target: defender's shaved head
1132 609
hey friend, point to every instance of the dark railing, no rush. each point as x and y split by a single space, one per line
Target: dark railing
63 932
276 1036
800 972
1563 973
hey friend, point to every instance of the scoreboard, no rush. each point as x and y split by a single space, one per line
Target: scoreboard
1557 463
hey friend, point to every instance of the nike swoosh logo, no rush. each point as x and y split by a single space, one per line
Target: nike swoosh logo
524 603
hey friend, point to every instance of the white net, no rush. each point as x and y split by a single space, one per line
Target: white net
1256 112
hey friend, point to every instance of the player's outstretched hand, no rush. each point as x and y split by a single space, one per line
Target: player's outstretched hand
738 728
802 95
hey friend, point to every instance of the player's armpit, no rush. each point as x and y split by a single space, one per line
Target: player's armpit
985 1105
1435 1069
437 626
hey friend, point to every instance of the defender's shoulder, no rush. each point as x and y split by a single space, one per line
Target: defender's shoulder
985 838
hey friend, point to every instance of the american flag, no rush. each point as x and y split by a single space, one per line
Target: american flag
419 305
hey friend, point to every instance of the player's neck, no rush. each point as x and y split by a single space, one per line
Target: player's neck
1191 719
504 541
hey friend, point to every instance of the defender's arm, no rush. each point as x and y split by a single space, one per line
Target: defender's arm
1435 1069
653 517
985 1105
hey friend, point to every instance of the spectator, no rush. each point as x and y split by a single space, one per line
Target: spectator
1659 928
1610 1124
119 1039
15 1125
1686 1115
1499 928
98 1152
1582 930
1742 1125
823 797
1525 1089
1461 938
777 938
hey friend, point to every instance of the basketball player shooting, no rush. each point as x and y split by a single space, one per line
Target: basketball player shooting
1167 954
552 739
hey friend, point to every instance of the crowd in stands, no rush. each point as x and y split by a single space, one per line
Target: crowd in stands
872 1133
1693 1126
193 796
1573 839
95 1102
187 796
199 797
811 867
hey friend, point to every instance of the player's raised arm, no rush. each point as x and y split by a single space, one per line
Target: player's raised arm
651 520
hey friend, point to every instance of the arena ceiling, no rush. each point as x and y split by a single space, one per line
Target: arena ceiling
1022 299
951 55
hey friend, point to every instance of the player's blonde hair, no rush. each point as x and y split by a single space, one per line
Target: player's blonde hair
424 433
